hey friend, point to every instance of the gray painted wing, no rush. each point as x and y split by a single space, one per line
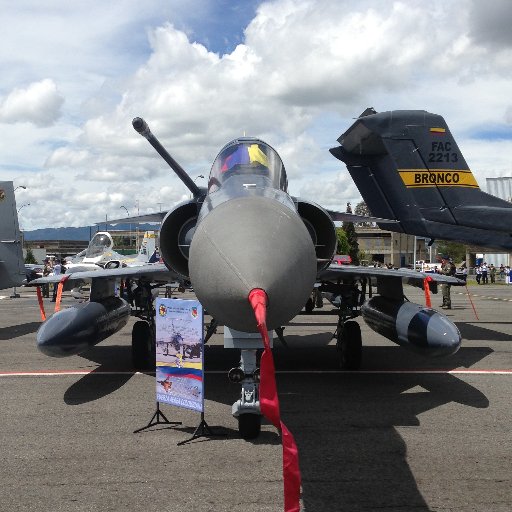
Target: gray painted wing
352 217
151 271
413 277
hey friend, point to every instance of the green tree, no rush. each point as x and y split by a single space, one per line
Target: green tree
350 231
342 246
454 250
30 258
362 209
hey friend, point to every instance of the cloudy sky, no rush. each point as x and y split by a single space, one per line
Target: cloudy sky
292 72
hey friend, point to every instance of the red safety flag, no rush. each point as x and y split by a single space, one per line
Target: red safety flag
426 287
59 293
41 305
269 405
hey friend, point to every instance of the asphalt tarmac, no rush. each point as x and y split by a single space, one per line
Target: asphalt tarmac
403 434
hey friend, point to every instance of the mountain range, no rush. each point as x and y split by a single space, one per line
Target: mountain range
81 233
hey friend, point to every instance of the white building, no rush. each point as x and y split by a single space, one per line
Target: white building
502 188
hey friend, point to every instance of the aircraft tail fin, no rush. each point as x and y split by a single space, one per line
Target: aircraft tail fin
147 248
407 166
12 266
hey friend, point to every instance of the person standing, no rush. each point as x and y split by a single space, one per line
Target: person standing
57 271
492 273
485 269
47 270
447 269
478 274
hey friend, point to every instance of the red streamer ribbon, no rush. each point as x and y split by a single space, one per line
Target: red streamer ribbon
269 405
41 305
472 305
426 287
59 293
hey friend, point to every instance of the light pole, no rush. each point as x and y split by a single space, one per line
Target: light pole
128 214
23 206
137 227
20 186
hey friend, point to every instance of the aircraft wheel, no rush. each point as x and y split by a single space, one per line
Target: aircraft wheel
142 353
350 346
310 305
249 425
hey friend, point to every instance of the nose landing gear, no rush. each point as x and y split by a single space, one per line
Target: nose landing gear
247 408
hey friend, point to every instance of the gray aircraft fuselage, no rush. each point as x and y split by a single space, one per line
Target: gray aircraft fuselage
246 235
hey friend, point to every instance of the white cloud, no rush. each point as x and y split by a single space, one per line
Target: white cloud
304 70
39 103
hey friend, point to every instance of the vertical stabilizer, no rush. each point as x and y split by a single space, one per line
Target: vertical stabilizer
148 248
408 166
12 267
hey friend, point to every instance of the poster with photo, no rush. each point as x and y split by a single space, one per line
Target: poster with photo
179 353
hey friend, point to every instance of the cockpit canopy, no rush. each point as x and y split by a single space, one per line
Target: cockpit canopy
99 244
251 157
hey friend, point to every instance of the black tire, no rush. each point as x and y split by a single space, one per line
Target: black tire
310 305
249 425
350 345
142 346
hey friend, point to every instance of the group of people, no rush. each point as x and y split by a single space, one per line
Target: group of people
484 272
52 268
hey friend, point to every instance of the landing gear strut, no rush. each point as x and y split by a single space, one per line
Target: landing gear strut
348 331
247 409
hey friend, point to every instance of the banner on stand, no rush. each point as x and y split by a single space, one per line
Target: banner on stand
180 353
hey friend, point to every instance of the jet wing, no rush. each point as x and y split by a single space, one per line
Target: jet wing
152 271
352 217
154 218
408 276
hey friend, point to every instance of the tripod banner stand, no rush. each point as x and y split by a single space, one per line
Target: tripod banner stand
179 353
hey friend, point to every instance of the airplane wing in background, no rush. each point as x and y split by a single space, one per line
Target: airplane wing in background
157 272
153 218
352 217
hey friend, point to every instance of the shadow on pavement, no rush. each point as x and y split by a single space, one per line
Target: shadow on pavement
15 331
351 455
469 331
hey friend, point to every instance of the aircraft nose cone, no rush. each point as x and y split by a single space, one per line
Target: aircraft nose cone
443 336
247 243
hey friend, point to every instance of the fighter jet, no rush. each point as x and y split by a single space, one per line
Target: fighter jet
253 254
100 253
12 267
408 167
245 237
